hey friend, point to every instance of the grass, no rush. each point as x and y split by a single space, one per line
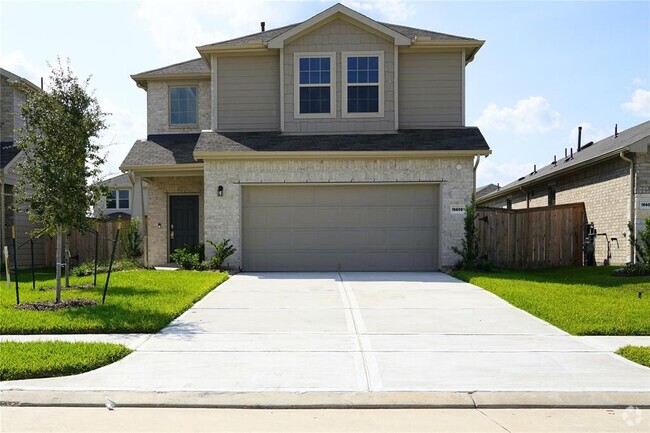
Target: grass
55 358
638 354
581 301
137 301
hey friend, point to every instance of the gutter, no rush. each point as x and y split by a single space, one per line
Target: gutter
632 189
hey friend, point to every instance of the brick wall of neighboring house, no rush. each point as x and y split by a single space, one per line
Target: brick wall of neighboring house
223 219
158 107
160 188
604 188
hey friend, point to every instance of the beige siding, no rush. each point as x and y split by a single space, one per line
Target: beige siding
430 90
158 107
248 93
339 36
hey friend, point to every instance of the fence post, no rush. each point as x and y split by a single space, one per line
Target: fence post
110 265
13 238
31 246
96 251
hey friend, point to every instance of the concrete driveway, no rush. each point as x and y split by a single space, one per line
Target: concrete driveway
357 332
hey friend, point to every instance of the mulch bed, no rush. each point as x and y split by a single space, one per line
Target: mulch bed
79 287
51 306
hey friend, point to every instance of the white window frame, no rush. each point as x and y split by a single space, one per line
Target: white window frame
117 199
296 86
345 84
169 105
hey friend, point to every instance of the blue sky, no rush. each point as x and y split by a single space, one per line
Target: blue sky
546 67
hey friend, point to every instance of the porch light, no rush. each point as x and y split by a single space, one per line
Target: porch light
220 191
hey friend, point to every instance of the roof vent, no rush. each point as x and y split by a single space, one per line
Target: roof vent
554 160
616 130
587 145
262 25
534 169
579 138
521 178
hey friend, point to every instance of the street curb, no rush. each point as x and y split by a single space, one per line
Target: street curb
328 400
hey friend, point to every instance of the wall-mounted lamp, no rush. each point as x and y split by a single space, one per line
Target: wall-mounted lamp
220 191
159 225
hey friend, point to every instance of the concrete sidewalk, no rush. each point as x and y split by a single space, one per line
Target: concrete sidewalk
73 420
368 338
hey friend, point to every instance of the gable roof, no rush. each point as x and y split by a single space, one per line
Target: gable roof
635 139
8 151
161 150
13 77
195 68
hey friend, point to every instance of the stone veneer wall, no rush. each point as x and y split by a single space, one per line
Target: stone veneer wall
160 188
223 214
605 190
158 107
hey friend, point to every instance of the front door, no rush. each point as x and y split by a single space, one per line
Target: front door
183 221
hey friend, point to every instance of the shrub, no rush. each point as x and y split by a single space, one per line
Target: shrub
469 251
641 241
633 270
189 257
224 249
88 268
131 240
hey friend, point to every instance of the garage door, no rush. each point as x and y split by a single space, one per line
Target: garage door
340 228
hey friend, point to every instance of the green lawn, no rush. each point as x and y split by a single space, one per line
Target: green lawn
638 354
581 301
137 301
55 358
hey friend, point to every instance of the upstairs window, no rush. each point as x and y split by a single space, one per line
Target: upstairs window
363 84
551 196
315 85
118 199
182 105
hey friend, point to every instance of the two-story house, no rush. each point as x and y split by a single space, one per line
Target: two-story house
11 120
338 143
119 201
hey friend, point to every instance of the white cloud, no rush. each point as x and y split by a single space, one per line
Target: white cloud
529 116
640 103
638 81
123 127
502 173
177 30
589 133
17 63
394 10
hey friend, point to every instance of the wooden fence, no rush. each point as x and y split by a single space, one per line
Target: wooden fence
532 238
82 245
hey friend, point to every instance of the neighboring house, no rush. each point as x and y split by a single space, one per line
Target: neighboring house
11 100
338 143
611 177
485 190
120 201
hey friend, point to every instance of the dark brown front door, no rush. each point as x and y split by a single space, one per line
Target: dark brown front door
183 221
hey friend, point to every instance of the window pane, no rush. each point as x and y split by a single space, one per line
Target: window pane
124 204
304 64
110 200
315 70
363 69
124 194
314 100
363 99
182 105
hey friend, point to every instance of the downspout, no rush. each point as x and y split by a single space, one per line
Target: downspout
632 189
2 216
478 159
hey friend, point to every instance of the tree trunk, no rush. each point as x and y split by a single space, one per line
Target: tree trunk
67 261
59 247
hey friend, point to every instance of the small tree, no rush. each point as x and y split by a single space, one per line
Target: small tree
469 247
131 239
641 241
58 177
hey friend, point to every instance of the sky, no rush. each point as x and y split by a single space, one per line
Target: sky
545 68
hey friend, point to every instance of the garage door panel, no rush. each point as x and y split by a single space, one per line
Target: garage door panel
342 227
